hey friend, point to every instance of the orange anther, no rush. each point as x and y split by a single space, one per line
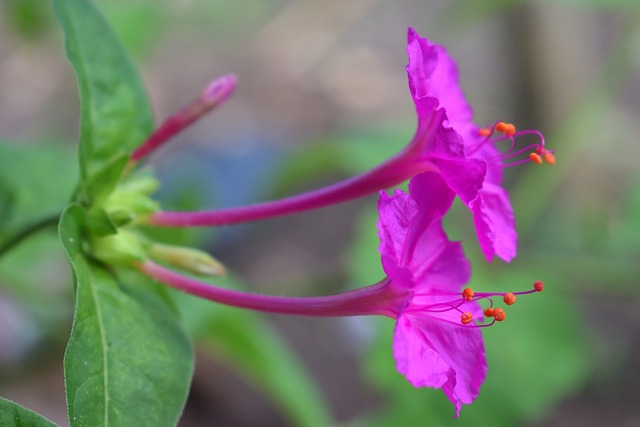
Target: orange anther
466 318
550 158
484 132
535 158
499 314
510 129
501 126
488 311
467 294
538 286
509 298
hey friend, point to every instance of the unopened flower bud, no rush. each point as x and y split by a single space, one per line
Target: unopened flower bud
188 259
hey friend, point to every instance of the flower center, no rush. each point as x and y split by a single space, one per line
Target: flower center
444 302
502 131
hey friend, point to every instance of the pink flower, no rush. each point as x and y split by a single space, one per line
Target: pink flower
476 173
436 341
431 346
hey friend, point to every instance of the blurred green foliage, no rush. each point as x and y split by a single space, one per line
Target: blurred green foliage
28 18
538 357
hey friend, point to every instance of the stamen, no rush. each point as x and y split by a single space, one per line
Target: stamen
499 314
466 318
510 133
535 158
457 302
509 298
550 158
510 129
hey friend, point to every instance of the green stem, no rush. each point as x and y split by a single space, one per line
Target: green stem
28 231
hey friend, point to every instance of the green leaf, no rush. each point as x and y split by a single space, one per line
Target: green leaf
99 224
116 116
27 18
36 182
7 202
128 362
102 183
14 415
247 342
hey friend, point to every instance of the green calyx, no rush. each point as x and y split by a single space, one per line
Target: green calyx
115 239
131 200
110 223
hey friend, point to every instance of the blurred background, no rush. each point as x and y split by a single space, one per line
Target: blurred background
322 95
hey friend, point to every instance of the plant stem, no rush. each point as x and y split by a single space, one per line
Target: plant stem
26 232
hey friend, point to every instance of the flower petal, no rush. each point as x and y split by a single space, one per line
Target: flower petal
465 177
433 353
432 73
487 152
395 216
444 148
414 247
432 196
447 269
433 260
495 223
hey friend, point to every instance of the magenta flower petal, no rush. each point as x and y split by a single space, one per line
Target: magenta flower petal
411 235
495 223
433 353
469 163
395 216
431 346
433 74
464 177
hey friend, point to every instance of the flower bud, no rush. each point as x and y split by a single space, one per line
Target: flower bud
188 259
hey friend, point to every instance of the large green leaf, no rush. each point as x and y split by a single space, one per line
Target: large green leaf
116 115
14 415
128 362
